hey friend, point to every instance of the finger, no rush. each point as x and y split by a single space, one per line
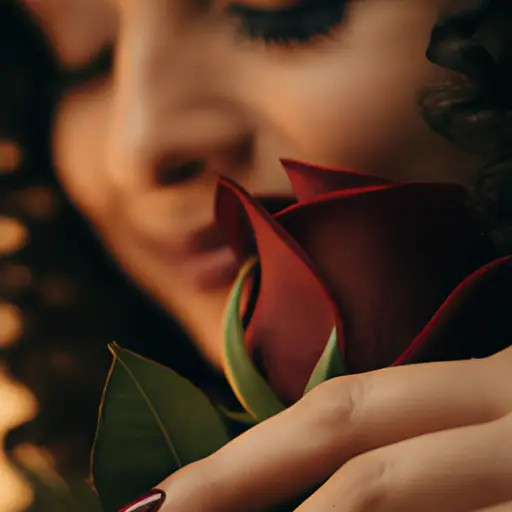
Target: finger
300 448
504 507
461 469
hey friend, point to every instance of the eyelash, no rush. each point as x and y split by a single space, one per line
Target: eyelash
101 67
296 24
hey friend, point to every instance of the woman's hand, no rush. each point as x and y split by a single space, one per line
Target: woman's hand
424 437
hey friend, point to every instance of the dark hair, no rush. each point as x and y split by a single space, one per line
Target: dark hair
474 110
62 354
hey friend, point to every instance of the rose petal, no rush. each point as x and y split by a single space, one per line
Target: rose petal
294 315
310 181
275 204
474 321
390 256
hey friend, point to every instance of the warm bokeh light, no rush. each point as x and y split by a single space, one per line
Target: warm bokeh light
17 406
13 235
11 324
10 156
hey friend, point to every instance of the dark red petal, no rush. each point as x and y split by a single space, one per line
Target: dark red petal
391 256
274 204
294 315
310 181
473 322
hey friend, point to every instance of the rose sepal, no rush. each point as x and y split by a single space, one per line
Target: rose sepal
250 388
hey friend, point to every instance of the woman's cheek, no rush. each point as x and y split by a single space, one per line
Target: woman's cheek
79 150
334 114
349 101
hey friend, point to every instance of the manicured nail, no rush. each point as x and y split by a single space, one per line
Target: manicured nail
151 502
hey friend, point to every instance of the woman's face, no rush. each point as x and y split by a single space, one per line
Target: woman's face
201 88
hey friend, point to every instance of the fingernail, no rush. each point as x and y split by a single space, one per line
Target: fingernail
151 502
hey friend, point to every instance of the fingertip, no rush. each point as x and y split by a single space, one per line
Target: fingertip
151 502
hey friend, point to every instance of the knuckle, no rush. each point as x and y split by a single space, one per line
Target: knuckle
505 426
496 370
338 402
366 480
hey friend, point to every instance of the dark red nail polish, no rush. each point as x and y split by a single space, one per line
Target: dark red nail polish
151 502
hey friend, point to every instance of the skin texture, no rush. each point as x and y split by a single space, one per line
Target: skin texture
401 440
186 88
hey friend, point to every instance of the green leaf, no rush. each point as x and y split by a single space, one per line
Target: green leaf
152 422
253 392
330 365
242 417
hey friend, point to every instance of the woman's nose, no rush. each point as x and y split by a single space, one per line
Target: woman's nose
173 119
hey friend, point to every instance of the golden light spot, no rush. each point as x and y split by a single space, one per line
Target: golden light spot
10 156
57 291
14 278
18 406
13 235
39 202
11 324
63 363
38 460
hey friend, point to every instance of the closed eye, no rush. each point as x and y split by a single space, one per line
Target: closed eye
296 23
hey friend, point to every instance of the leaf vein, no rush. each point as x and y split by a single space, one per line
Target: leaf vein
153 411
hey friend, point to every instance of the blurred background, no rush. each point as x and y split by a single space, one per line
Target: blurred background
16 403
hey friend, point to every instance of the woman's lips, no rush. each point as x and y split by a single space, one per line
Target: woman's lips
211 270
205 240
203 259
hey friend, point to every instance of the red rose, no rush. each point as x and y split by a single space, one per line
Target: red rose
402 270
